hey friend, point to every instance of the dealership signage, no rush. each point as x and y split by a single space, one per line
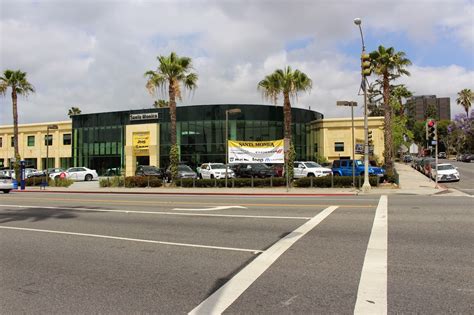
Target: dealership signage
144 116
141 143
256 151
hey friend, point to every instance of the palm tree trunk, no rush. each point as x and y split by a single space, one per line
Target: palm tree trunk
172 95
287 115
15 132
388 124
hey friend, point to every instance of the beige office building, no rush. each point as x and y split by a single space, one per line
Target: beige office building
32 144
331 138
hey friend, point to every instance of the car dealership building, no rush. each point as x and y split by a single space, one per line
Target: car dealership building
125 139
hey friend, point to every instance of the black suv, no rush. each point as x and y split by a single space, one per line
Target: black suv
254 170
147 170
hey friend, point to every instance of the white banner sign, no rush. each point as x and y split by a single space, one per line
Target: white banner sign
256 151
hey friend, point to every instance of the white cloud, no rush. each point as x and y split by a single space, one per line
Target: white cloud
93 54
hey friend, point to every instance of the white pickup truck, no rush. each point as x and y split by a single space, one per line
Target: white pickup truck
309 169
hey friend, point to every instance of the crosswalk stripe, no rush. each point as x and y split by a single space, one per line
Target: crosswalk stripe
372 293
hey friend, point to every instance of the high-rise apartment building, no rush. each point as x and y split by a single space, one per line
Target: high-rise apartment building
426 106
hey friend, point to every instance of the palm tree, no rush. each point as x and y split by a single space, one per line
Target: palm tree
465 98
171 72
160 104
401 92
389 65
74 111
17 81
289 83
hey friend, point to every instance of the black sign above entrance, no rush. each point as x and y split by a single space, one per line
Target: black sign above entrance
144 116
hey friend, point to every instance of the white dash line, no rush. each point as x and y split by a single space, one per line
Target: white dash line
220 300
372 293
159 212
255 251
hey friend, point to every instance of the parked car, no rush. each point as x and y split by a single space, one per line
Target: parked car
259 170
407 158
309 169
6 183
113 171
460 156
148 170
446 172
344 168
468 158
76 174
441 155
184 171
215 170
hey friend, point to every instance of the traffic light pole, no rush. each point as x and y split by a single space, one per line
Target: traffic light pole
436 156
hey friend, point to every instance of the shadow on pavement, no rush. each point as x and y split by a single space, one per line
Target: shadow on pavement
35 214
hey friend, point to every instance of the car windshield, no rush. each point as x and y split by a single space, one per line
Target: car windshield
445 167
150 169
184 168
260 166
312 165
359 163
217 166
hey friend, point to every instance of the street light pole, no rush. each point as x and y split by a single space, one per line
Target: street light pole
351 104
47 148
366 186
227 112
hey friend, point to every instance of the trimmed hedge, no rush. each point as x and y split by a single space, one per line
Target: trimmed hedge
37 181
336 181
142 181
232 182
116 181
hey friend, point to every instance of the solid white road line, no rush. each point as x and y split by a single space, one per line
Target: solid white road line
210 209
372 293
159 213
255 251
220 300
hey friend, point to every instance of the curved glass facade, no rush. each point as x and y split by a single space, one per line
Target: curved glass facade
98 139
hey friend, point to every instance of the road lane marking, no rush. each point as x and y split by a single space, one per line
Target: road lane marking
159 212
372 293
254 251
220 300
210 209
193 203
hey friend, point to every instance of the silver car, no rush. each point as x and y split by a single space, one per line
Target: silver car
6 183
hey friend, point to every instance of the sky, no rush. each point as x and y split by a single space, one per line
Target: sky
93 54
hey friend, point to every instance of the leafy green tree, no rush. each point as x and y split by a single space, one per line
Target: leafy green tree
388 65
74 111
443 137
17 81
465 98
172 71
431 112
289 83
419 133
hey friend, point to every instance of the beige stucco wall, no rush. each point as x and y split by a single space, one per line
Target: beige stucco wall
57 150
327 131
154 146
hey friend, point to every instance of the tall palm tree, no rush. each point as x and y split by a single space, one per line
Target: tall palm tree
171 72
465 98
19 84
389 65
74 111
286 82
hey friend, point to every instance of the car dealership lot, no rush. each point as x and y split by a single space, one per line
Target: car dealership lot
87 253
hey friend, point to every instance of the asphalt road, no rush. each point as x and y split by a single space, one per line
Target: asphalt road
86 253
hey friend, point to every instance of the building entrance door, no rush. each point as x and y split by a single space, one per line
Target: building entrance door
143 160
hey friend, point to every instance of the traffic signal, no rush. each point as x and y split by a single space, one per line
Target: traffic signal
365 64
369 136
431 131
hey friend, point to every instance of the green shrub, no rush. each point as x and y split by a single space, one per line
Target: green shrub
142 181
336 181
236 182
61 182
116 181
37 181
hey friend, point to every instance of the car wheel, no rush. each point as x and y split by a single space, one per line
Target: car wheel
337 174
88 177
57 177
310 175
6 191
212 176
200 176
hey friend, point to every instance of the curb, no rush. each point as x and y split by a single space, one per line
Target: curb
186 193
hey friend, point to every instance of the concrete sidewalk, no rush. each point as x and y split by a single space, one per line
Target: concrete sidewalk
412 182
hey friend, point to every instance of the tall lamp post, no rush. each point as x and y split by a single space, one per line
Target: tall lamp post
366 186
227 112
352 105
50 127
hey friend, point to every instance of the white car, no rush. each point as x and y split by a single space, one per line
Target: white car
6 183
446 172
215 170
76 174
309 169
